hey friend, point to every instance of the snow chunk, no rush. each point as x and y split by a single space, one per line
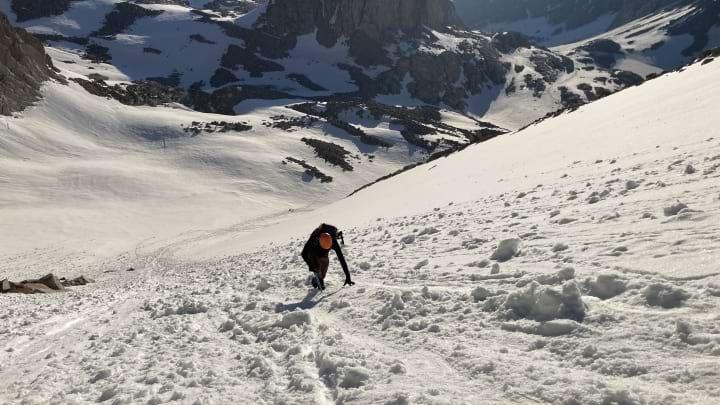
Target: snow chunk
481 294
296 318
263 285
544 303
568 273
408 240
421 264
663 295
674 209
100 375
398 368
108 393
506 250
606 286
557 327
354 377
428 231
191 307
560 247
631 185
554 328
188 307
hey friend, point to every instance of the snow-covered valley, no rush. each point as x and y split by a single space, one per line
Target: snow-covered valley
605 291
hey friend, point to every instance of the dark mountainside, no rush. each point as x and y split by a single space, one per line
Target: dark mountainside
23 67
571 14
418 50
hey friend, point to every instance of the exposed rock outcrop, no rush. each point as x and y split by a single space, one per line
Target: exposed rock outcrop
24 66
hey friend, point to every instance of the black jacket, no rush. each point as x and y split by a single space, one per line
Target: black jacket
312 247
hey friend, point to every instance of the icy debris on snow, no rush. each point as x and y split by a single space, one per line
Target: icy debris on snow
605 286
495 269
563 275
506 250
296 318
408 240
663 295
674 209
353 377
565 221
545 303
188 307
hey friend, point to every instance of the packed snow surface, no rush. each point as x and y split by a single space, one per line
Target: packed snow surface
608 291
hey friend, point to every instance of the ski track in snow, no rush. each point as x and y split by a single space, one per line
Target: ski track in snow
414 329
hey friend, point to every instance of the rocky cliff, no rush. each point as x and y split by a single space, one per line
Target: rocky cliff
376 19
23 67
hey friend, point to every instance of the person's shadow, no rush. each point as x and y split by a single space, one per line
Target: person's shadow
305 303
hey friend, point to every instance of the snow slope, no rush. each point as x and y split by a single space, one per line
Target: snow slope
607 294
88 174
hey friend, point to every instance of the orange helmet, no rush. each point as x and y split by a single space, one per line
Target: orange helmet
326 241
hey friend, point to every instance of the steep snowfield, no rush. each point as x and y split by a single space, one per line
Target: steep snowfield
604 291
85 174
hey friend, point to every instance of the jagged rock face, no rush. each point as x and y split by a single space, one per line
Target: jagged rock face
23 67
375 18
